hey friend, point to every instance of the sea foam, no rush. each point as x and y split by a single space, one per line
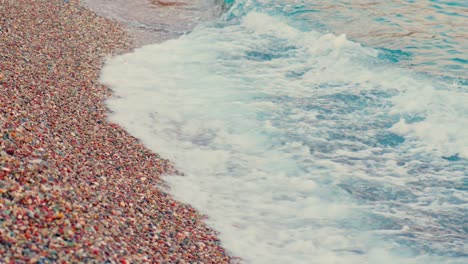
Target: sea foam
301 147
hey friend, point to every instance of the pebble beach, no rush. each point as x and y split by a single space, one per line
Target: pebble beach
74 187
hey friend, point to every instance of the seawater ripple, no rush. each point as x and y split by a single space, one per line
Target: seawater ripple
427 36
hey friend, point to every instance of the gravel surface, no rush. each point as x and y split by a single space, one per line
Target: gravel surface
74 187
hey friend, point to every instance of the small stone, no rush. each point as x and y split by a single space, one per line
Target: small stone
35 161
10 151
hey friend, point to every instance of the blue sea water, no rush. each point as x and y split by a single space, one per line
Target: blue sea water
306 145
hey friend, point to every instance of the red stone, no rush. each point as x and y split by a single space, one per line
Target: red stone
10 151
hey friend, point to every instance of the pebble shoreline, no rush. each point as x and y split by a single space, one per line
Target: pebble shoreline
74 187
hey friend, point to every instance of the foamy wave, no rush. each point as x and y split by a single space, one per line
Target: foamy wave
302 147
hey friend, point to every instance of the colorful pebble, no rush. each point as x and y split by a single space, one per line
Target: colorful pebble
73 187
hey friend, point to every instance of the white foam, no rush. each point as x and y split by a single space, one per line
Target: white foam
444 129
254 115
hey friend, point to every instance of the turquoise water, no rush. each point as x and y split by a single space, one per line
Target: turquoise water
428 36
305 145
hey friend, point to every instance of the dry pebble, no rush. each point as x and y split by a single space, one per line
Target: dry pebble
74 187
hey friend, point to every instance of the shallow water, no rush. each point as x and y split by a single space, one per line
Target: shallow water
303 146
428 36
151 21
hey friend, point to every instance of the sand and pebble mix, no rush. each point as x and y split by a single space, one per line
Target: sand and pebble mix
75 188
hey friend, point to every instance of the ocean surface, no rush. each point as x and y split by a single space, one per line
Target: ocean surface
311 131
